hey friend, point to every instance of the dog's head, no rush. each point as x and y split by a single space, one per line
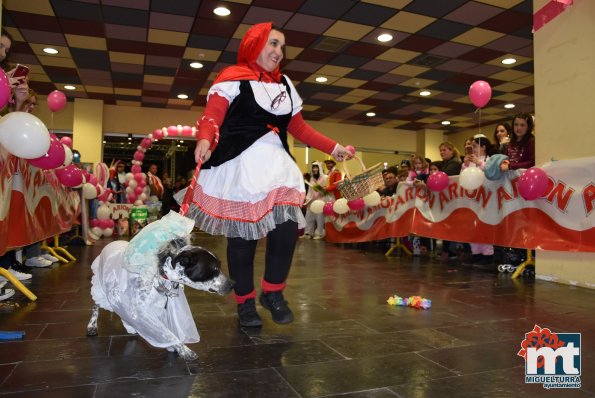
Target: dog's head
193 266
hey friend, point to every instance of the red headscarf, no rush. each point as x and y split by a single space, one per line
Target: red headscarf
247 69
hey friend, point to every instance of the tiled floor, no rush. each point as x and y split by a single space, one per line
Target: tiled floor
345 341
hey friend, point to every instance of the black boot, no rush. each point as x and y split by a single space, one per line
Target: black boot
248 315
275 303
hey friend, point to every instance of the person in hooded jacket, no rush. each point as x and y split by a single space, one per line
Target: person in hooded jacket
243 131
315 222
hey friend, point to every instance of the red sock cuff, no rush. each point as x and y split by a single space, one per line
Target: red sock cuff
268 287
242 299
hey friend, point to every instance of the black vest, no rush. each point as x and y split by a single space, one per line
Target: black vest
244 123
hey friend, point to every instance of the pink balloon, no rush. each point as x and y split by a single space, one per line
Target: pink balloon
172 131
146 143
53 158
480 93
186 131
351 149
138 155
71 176
533 183
135 169
66 141
56 101
4 89
138 177
327 209
92 180
356 204
138 190
86 175
158 134
131 198
437 181
94 223
110 223
142 183
103 224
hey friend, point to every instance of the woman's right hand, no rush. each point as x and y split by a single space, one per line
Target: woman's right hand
202 153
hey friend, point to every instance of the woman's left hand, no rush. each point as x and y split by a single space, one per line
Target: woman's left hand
340 153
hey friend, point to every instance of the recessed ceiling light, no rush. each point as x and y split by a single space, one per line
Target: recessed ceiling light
104 141
385 37
425 93
370 114
129 138
178 145
508 61
182 96
196 65
181 141
321 79
445 122
69 87
50 50
221 11
509 106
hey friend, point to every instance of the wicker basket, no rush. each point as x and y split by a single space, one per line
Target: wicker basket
360 185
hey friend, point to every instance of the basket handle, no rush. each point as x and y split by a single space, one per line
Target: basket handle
190 191
346 171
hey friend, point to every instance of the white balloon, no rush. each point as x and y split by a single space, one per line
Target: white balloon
372 199
153 198
68 156
108 232
471 178
317 206
24 135
89 191
98 232
129 190
129 176
132 184
138 202
143 197
340 206
103 212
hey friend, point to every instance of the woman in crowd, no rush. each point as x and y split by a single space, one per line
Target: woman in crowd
250 187
521 149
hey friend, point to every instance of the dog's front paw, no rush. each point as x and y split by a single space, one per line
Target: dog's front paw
186 353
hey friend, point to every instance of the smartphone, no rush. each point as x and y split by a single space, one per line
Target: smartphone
20 71
468 150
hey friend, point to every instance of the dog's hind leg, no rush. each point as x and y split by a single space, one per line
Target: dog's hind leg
92 325
184 352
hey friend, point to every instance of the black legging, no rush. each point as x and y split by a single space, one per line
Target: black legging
279 253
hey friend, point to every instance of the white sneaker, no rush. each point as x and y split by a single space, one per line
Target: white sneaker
306 236
6 294
37 262
49 257
21 276
318 237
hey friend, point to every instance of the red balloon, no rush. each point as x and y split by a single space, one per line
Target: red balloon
480 93
56 100
351 149
327 209
71 176
437 181
533 183
4 89
146 143
138 155
172 131
66 141
135 169
53 158
158 134
356 204
186 131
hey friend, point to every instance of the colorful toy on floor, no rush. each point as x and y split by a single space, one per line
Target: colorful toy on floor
412 301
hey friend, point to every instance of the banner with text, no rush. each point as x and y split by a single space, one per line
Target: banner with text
561 220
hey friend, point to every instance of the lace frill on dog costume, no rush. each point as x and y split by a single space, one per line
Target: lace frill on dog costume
126 281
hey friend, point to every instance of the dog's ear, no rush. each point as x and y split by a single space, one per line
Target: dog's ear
171 249
199 263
